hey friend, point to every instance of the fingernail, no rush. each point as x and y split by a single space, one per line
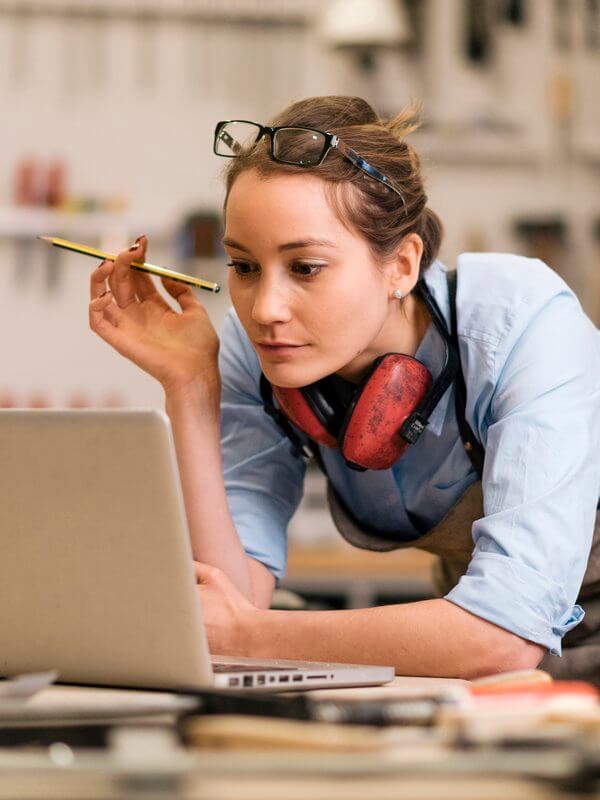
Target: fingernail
133 247
140 237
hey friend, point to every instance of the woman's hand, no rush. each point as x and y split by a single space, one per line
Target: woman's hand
132 316
227 613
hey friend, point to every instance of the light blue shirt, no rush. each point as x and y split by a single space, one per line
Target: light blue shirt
531 360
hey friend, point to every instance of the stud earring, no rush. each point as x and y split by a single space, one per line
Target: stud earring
397 294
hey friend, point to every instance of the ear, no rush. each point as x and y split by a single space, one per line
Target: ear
402 269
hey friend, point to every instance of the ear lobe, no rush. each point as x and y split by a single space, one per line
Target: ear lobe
404 267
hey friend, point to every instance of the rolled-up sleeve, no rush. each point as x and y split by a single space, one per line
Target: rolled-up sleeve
263 474
541 478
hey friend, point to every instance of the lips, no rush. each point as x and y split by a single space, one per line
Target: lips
267 343
279 348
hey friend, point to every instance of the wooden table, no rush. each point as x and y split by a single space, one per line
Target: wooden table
361 575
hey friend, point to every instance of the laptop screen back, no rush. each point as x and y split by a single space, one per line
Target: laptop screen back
96 572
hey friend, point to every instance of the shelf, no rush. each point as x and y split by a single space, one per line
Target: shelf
30 222
477 149
269 12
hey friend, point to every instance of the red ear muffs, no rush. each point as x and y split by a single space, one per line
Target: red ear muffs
368 431
370 436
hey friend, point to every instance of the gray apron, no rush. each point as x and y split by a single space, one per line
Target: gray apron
452 542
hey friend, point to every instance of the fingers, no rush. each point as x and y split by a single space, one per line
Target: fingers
98 279
121 279
145 288
183 294
104 316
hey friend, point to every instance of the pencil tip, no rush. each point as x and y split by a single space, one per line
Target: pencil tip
45 238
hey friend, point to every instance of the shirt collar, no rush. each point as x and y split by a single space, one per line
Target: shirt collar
432 349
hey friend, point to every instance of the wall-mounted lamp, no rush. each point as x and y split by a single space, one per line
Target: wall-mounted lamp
362 27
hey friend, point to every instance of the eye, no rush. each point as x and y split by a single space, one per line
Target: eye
242 268
306 270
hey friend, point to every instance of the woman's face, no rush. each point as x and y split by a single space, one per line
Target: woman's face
306 289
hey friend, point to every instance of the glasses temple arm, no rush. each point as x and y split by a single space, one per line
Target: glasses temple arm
359 162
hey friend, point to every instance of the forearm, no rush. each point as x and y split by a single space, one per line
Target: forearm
194 415
432 638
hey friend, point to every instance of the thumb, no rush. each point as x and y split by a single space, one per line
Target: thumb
205 573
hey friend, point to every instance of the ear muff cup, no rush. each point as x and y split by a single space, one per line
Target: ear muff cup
309 412
370 436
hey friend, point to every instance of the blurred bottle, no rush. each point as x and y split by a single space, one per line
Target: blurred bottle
39 399
26 190
113 399
56 183
8 399
200 236
78 399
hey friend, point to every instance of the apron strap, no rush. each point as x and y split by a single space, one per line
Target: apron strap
472 446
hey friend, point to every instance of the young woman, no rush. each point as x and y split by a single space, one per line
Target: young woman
333 265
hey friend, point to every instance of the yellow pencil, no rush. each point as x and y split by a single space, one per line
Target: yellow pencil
142 266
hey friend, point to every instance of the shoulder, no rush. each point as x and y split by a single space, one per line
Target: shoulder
500 294
513 310
506 301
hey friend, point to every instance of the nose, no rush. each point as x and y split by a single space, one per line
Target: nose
270 302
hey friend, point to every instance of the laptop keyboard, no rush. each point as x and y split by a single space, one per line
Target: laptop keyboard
220 667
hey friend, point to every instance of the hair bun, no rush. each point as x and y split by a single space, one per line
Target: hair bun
328 111
407 121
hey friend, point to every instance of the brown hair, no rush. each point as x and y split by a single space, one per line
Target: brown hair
373 210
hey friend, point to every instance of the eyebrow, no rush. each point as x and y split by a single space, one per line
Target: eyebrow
287 246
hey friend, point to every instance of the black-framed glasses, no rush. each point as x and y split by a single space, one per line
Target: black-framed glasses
303 147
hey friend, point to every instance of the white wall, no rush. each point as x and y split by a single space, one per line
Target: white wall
132 108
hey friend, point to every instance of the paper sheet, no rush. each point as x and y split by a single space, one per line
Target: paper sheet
25 686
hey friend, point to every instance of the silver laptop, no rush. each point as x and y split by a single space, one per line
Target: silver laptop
96 573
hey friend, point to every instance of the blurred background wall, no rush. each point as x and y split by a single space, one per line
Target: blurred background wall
108 109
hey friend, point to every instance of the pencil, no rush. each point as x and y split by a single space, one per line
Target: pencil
142 266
